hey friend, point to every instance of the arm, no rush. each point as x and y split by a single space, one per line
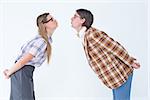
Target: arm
136 64
39 46
18 65
102 39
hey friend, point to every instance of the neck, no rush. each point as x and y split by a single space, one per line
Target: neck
49 32
78 29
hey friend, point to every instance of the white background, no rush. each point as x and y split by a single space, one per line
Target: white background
69 77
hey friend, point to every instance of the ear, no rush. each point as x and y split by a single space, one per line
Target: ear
45 25
82 20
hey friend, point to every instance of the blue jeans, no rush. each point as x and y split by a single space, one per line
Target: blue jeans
123 92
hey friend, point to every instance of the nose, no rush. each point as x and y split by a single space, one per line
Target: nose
54 20
72 18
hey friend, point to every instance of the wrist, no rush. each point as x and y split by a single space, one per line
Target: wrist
9 73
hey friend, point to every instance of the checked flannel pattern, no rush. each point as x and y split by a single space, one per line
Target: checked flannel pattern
109 60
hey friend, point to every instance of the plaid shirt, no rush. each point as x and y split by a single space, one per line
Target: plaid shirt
109 60
36 47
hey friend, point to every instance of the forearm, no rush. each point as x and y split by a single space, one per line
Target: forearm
109 44
19 64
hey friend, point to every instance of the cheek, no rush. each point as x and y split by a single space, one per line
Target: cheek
75 23
52 25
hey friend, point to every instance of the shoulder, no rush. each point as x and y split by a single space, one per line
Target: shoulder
96 33
38 40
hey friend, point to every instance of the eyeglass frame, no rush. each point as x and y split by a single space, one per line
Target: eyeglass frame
51 19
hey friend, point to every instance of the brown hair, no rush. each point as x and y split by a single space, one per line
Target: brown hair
41 19
84 13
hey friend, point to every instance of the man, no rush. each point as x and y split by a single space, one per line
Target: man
108 59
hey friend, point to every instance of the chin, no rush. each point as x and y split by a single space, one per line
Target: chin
55 27
72 26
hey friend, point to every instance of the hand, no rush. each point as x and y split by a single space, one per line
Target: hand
6 73
136 64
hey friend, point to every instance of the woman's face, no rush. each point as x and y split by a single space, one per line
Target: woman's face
52 23
77 21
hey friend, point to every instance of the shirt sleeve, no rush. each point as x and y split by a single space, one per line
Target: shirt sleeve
37 47
103 40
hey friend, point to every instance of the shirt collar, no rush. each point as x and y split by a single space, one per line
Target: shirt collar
81 33
50 39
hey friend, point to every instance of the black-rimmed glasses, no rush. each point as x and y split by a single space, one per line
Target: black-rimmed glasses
51 19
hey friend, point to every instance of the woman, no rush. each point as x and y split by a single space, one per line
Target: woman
33 54
108 59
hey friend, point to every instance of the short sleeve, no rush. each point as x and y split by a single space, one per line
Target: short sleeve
37 47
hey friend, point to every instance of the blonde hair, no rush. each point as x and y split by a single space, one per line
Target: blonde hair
41 19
